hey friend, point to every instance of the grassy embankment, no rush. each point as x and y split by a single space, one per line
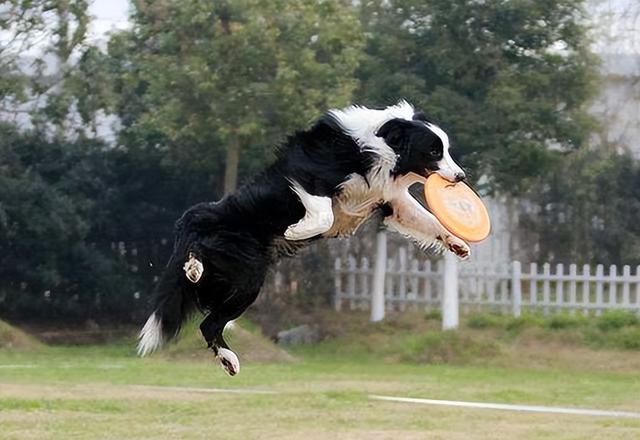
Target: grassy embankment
321 391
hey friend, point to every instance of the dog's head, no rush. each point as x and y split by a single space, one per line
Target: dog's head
421 147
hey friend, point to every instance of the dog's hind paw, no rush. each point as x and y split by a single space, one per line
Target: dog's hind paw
193 269
229 361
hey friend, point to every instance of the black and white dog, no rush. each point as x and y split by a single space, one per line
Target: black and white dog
325 182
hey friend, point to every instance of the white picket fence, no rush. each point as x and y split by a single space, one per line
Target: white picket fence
510 288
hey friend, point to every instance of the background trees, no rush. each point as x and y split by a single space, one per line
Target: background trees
202 92
241 74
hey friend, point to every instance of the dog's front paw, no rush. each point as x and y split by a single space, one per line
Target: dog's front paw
229 361
193 269
458 247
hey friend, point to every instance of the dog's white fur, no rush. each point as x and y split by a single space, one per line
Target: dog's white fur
318 217
359 196
150 337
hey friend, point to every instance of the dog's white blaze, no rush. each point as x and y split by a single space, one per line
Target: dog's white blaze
447 167
150 338
318 218
362 123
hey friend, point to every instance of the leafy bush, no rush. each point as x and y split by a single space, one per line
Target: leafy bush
616 319
524 321
486 320
566 320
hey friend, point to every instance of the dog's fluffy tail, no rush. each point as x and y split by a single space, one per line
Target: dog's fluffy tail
172 306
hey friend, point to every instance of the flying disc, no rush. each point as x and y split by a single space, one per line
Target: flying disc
458 208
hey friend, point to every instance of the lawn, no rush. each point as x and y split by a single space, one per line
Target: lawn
105 392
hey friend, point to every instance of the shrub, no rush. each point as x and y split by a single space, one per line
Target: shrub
524 321
566 320
433 315
486 320
616 319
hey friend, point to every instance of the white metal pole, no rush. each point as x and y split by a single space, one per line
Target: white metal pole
379 272
450 317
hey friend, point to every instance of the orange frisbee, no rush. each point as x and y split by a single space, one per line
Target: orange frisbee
458 208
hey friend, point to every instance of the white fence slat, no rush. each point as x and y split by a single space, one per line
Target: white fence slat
426 282
599 289
412 283
626 280
365 293
402 278
546 287
638 287
388 293
586 288
351 282
573 276
533 284
516 288
337 284
560 285
613 286
491 284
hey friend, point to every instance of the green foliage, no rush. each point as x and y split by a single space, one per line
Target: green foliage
449 347
49 192
566 321
240 73
485 320
590 203
617 319
508 79
433 315
45 30
619 329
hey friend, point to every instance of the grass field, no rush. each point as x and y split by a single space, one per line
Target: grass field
105 392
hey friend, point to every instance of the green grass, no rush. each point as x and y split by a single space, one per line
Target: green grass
616 329
105 392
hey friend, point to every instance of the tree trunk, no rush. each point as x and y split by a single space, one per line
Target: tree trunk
231 165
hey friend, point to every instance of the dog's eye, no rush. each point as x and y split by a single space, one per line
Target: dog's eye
434 153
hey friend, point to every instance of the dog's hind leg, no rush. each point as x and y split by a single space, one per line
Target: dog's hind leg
211 329
193 268
318 218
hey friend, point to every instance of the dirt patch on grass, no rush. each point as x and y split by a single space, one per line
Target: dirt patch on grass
250 344
12 338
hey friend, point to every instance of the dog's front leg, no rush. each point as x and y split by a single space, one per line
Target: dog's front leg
412 219
318 218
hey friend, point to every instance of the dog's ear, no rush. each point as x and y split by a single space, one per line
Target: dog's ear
394 131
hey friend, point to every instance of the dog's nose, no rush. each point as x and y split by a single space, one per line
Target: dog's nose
459 177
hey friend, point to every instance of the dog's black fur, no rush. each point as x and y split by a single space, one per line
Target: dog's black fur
238 238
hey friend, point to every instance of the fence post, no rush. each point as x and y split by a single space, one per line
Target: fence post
338 284
516 288
379 271
450 310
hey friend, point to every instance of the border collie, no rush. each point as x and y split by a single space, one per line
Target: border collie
325 182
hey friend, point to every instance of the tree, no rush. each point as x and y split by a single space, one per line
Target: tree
588 210
214 79
40 39
510 80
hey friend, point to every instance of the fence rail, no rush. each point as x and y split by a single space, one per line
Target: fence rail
510 287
